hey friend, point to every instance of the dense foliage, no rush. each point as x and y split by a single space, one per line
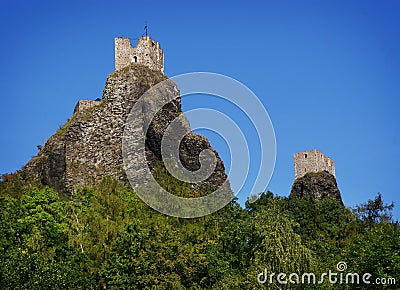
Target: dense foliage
105 237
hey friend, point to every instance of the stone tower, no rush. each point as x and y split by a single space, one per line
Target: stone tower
147 51
312 161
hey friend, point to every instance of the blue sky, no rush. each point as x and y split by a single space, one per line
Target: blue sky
327 72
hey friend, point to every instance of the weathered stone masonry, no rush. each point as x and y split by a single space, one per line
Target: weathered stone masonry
85 104
312 161
315 176
89 146
146 52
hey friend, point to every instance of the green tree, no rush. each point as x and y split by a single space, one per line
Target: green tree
34 244
376 252
274 246
374 211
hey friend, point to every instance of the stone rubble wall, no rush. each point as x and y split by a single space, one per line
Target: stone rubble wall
85 104
147 52
312 161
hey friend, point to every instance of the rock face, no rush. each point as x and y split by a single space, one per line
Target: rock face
319 185
89 146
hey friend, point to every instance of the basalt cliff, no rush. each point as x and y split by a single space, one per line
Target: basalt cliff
89 146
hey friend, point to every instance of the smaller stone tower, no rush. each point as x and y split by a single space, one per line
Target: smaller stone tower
147 51
312 161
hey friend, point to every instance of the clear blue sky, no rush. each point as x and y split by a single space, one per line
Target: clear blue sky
328 73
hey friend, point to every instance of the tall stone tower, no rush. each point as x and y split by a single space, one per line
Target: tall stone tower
147 51
312 161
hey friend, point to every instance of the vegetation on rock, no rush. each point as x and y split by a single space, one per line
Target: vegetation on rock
88 146
319 185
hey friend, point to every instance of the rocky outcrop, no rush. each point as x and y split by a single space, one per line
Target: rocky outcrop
89 146
319 185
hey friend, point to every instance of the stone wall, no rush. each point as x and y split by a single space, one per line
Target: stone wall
85 104
312 161
147 52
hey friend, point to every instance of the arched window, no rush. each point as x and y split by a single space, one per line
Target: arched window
305 155
135 58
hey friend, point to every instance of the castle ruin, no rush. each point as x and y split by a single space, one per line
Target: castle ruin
147 51
85 104
312 161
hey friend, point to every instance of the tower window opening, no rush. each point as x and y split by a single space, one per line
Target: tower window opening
305 155
135 58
